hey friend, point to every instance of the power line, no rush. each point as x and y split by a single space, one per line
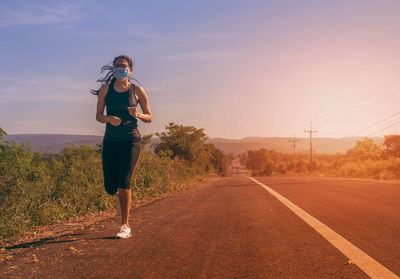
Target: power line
387 127
365 129
376 123
373 92
311 131
350 105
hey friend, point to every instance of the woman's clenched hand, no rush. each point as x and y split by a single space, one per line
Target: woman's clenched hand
115 121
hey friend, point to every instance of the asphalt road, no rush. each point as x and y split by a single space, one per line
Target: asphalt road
232 228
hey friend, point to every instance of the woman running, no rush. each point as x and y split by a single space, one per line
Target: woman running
122 139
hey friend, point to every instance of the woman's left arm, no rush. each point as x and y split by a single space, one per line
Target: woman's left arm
146 116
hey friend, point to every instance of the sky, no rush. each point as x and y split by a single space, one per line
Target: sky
234 68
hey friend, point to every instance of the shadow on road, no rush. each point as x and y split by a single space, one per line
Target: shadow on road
50 240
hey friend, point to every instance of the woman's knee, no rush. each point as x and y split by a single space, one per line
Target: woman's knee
111 190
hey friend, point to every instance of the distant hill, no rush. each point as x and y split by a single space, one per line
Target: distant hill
54 143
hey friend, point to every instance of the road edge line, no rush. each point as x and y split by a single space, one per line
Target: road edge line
366 263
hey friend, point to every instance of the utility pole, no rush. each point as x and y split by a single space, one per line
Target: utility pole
310 131
294 140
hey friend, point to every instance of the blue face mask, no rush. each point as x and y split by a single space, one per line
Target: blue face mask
120 73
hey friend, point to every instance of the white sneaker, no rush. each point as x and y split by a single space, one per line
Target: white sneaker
124 231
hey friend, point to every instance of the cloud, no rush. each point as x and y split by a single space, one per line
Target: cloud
199 55
362 104
46 89
213 36
154 89
38 14
184 38
195 122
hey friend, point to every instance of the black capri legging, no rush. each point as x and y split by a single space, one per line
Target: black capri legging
119 162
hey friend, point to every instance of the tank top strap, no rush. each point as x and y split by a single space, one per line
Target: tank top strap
132 94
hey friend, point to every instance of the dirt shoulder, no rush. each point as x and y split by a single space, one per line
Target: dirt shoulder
12 247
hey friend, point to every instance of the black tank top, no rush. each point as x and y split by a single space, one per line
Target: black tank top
117 104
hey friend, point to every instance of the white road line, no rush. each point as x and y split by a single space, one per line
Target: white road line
367 264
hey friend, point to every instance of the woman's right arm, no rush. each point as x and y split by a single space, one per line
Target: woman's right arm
101 105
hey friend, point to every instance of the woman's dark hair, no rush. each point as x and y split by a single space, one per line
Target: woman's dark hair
109 77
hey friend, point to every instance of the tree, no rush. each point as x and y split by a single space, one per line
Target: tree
184 142
365 149
219 160
257 159
392 144
2 134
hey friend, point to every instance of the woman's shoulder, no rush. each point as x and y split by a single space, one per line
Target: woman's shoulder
104 89
139 90
105 86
